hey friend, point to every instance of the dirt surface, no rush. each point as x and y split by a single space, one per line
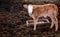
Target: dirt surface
13 25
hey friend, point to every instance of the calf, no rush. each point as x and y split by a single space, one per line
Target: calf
36 11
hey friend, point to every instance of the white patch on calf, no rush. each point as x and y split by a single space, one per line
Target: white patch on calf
30 9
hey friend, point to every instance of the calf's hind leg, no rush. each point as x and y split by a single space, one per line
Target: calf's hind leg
56 23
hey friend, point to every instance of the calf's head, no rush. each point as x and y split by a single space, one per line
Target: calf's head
29 7
25 6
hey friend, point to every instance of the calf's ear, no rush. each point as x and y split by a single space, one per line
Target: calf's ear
25 6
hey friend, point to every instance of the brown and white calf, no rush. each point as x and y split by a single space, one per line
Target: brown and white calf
36 11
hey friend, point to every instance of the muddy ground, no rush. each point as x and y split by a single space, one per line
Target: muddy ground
13 25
